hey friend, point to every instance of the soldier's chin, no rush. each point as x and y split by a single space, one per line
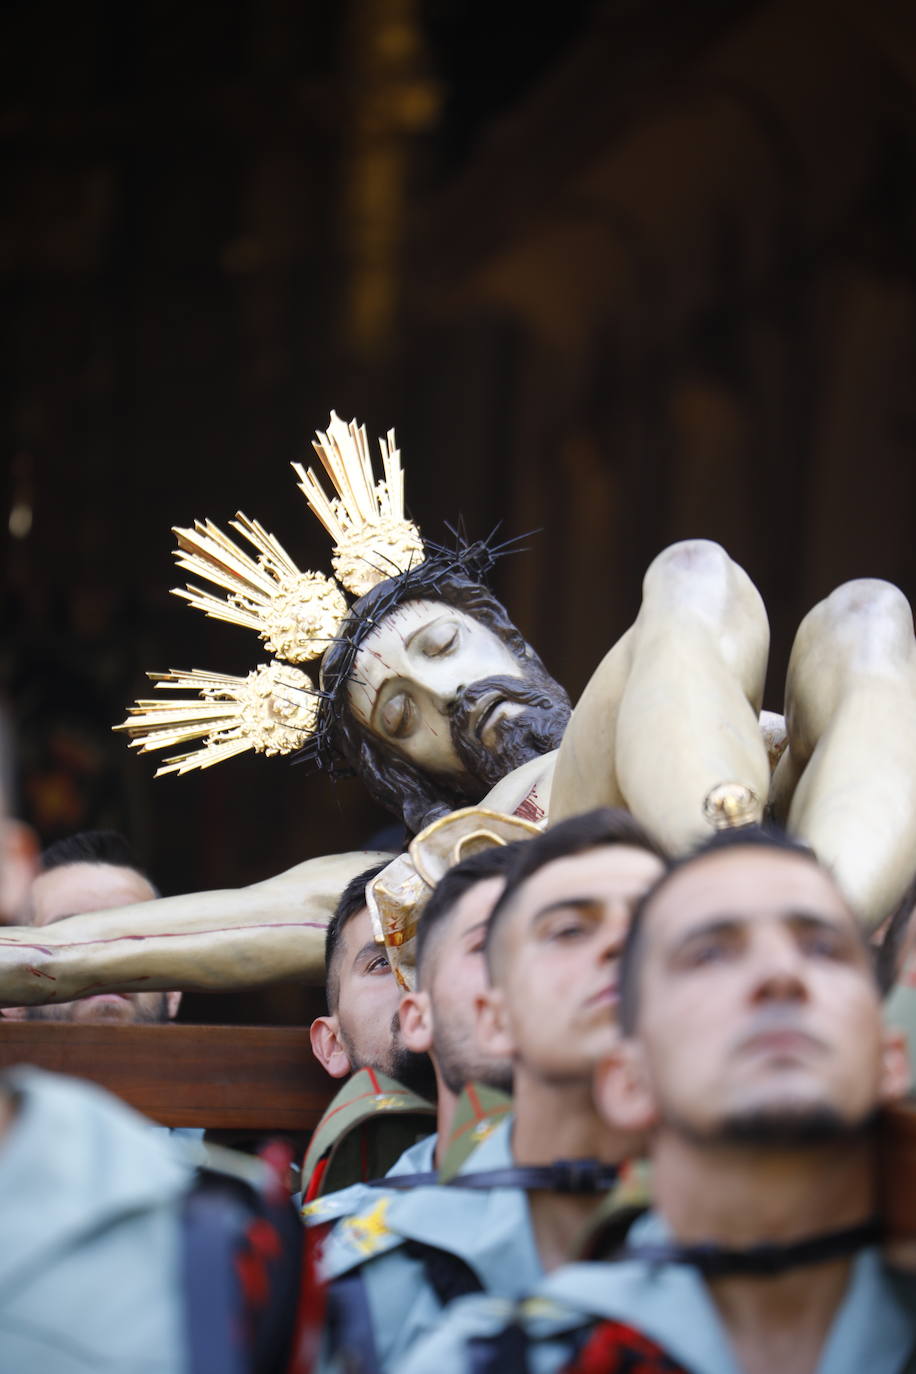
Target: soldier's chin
790 1126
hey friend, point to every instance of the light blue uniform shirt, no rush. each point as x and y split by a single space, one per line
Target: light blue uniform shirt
91 1201
873 1332
489 1230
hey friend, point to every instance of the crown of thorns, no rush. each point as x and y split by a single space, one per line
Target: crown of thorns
300 616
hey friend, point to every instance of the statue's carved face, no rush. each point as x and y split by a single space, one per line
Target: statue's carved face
429 677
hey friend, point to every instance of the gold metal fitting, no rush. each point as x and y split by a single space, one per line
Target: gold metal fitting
729 805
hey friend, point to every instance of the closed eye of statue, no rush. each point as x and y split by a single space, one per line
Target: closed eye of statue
396 716
439 639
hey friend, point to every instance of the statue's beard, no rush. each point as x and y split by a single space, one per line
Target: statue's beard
520 737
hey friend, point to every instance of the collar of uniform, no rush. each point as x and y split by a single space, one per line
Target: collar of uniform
74 1160
478 1112
671 1304
364 1094
416 1159
480 1227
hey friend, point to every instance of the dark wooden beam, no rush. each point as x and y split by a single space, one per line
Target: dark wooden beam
239 1077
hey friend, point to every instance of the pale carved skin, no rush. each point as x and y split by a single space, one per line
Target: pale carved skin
670 712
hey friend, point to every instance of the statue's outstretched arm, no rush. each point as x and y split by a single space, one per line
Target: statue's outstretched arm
672 710
851 719
205 941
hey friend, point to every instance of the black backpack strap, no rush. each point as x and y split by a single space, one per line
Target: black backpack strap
402 1182
563 1176
212 1227
349 1329
448 1275
506 1352
241 1263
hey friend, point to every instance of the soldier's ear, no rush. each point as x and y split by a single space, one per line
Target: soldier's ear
328 1047
493 1030
622 1092
416 1013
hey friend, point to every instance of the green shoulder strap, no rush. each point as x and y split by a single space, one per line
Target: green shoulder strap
370 1123
478 1112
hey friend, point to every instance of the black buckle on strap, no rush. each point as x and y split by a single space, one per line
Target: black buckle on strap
582 1176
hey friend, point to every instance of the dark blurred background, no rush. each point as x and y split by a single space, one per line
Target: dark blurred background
623 271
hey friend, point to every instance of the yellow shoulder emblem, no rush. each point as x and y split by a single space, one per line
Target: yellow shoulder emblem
368 1229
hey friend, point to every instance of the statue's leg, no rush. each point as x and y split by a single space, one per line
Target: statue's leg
687 718
671 711
585 775
851 717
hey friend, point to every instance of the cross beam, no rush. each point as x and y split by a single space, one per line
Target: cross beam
237 1077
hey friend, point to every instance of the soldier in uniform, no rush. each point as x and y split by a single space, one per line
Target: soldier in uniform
387 1105
518 1203
755 1057
437 1019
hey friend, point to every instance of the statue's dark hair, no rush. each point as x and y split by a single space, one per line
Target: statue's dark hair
341 745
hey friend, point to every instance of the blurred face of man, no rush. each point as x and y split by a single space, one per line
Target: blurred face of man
75 888
441 1015
554 1000
758 1015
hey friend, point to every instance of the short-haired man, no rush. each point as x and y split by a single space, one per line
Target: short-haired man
382 1116
449 956
756 1058
94 870
362 1028
520 1200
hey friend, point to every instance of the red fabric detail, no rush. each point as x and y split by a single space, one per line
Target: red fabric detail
278 1156
475 1102
373 1080
310 1310
314 1183
262 1244
614 1348
364 1153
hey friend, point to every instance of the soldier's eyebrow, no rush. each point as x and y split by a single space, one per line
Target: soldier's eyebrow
584 904
726 923
475 929
368 951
